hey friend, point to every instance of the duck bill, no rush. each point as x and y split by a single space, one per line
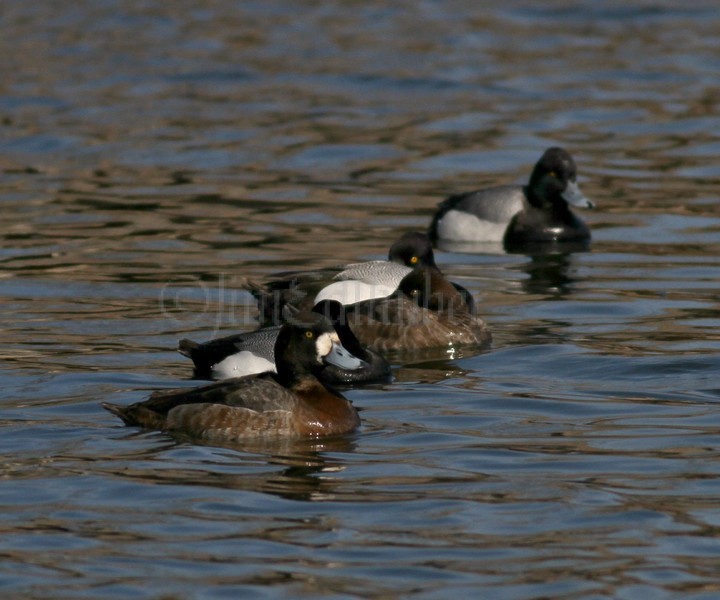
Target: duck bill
341 357
574 197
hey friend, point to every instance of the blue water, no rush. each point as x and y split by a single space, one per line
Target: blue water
154 155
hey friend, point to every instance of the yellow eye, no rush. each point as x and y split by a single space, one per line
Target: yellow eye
553 174
414 260
308 334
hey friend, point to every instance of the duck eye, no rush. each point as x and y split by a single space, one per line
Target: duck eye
553 174
309 335
414 260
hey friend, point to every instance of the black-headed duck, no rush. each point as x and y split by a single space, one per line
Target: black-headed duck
254 352
519 216
350 284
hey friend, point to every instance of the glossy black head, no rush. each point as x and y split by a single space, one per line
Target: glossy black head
413 249
306 343
296 347
553 182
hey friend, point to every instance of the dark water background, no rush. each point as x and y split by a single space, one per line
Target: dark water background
155 153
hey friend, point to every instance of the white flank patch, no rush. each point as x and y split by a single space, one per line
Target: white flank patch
241 364
350 292
465 227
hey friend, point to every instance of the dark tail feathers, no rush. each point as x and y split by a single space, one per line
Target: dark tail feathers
186 347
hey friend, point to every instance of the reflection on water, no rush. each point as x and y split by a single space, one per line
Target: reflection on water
292 469
550 275
154 156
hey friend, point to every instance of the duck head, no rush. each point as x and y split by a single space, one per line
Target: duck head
553 182
413 249
306 343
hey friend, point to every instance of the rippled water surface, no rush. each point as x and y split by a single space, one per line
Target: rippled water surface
155 154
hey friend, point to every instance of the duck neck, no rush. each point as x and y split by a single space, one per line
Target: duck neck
441 295
289 376
548 201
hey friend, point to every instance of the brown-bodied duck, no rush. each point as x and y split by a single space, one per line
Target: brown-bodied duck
289 403
426 312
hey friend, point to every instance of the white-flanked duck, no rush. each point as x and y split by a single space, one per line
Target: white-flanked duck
519 216
351 284
254 352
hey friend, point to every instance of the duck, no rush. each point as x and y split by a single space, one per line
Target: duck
350 284
292 403
426 312
254 352
519 216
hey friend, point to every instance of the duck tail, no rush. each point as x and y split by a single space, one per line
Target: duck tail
113 408
187 347
256 288
135 415
264 298
289 311
271 299
121 412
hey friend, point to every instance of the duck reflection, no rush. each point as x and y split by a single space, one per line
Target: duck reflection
549 275
470 247
431 370
550 268
306 472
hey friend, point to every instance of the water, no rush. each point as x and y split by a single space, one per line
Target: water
155 154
